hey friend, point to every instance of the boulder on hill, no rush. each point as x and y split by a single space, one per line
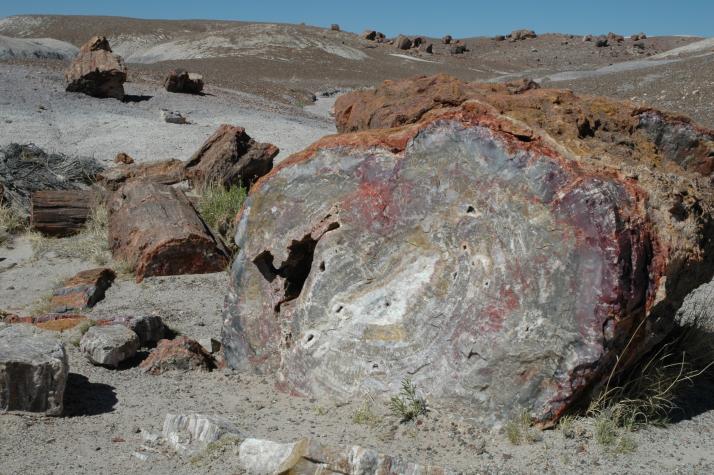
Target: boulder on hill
491 247
182 81
33 370
230 157
403 42
520 35
457 48
614 37
447 39
335 27
638 37
96 71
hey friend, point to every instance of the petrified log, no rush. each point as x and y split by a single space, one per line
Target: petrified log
33 370
589 125
494 264
82 291
96 71
60 213
157 231
165 172
230 157
182 81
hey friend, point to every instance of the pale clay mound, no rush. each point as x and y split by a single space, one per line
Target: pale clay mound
39 48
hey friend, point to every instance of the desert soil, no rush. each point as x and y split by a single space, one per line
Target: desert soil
112 413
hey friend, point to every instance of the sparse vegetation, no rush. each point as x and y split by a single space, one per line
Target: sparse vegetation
91 243
518 429
42 305
82 328
407 405
216 448
364 414
649 392
11 221
219 206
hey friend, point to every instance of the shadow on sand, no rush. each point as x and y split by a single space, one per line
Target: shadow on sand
84 398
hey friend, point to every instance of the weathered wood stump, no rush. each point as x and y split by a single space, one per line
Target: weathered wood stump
60 213
157 231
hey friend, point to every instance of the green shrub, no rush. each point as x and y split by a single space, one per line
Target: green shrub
407 405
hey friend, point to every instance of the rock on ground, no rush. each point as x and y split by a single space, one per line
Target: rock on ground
33 370
82 291
495 263
191 433
109 345
181 353
307 456
182 81
96 71
149 328
697 310
230 157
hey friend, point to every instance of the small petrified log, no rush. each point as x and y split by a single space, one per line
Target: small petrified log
165 172
182 81
60 213
230 157
156 229
82 291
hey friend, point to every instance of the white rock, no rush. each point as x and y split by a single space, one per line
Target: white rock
191 433
109 345
172 117
33 370
265 457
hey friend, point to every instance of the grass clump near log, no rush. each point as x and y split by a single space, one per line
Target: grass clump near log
91 244
11 221
219 207
651 392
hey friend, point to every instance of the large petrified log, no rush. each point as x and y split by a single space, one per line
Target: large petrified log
96 71
588 125
60 213
157 231
495 264
230 157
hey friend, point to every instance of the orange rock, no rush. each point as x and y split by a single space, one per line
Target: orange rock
83 290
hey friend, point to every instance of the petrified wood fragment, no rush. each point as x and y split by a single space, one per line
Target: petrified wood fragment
60 213
230 157
157 231
472 252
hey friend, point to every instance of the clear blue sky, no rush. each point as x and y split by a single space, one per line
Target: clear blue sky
432 17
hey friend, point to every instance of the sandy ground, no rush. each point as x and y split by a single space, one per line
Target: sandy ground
35 108
110 412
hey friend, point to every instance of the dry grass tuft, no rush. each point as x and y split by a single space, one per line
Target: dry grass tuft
11 221
90 244
219 207
364 414
518 429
